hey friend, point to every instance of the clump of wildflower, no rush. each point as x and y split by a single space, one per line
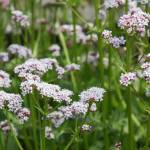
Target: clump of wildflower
107 35
4 57
69 29
113 3
19 51
135 21
57 118
68 112
23 114
93 107
4 79
6 127
116 42
86 128
48 133
38 67
93 57
14 104
72 67
19 17
55 92
55 49
4 3
127 78
146 71
93 94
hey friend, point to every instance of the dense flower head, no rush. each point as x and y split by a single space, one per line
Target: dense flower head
116 42
19 51
48 133
93 57
14 104
4 3
127 78
92 94
146 71
72 67
4 57
23 114
113 3
5 81
68 112
19 17
55 49
5 126
54 91
38 67
135 21
69 28
86 127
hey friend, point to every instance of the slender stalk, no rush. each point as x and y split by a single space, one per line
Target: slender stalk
128 100
33 119
61 36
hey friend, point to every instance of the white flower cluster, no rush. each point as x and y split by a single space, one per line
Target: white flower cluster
55 49
72 67
86 128
113 3
146 71
116 42
93 57
39 67
19 51
5 81
81 37
19 17
48 133
67 112
5 126
136 21
4 57
127 78
14 104
78 108
93 94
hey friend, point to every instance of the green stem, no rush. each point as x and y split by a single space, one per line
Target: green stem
129 98
33 119
62 39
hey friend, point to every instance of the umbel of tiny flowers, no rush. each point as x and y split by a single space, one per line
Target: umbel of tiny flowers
48 133
5 126
135 21
116 42
19 17
55 50
4 57
78 108
72 67
146 71
127 78
113 3
19 51
39 67
14 104
5 81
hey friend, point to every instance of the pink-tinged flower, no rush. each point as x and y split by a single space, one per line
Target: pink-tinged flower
5 81
55 49
4 57
94 94
19 17
72 67
4 3
48 133
86 128
19 51
136 21
127 78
